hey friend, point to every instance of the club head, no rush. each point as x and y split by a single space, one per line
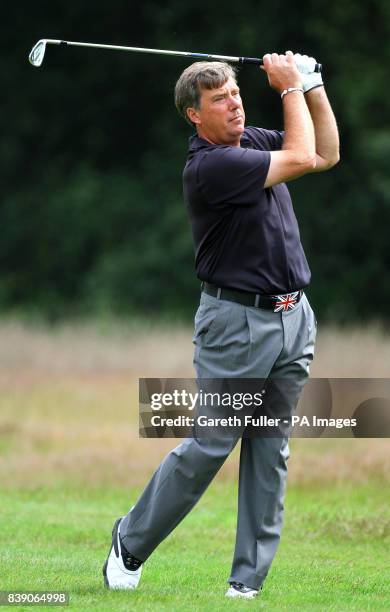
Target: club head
37 53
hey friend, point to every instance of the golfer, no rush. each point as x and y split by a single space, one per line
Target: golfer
254 320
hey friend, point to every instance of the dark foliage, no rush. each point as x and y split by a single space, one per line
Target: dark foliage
92 152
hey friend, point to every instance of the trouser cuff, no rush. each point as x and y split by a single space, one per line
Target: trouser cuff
252 581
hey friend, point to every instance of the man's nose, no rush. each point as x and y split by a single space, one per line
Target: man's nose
233 102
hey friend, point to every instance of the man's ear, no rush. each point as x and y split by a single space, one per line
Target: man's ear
193 115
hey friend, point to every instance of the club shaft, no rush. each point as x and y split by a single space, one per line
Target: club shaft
226 58
203 56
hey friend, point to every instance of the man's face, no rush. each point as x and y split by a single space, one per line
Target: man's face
220 118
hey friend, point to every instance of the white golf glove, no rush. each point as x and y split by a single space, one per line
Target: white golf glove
306 66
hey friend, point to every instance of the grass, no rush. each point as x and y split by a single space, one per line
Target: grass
334 554
67 470
139 348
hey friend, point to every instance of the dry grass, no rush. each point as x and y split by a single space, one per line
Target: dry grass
77 349
359 352
68 404
150 350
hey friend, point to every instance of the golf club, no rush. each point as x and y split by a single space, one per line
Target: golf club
37 53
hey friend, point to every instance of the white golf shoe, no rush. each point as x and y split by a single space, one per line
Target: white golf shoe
121 570
237 589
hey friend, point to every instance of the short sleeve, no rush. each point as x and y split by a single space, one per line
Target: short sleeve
233 175
275 139
264 140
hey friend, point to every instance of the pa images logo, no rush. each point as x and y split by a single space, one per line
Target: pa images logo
361 403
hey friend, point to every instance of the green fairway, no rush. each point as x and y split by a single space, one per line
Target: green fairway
67 471
334 554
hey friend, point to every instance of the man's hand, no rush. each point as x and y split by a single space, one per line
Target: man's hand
306 66
282 71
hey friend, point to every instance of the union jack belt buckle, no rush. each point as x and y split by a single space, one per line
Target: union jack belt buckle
286 302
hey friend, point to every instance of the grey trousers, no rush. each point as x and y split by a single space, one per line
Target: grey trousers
232 340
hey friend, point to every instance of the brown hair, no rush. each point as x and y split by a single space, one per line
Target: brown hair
198 76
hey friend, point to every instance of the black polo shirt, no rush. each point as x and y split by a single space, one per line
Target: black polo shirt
246 237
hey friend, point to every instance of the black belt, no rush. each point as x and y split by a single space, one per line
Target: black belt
277 303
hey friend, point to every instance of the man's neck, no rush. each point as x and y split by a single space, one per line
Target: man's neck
235 143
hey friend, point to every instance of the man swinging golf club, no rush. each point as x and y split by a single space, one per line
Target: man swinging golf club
254 320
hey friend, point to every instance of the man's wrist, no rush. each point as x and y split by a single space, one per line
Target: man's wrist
290 90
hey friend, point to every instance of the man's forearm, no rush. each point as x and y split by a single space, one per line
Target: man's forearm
325 128
299 136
